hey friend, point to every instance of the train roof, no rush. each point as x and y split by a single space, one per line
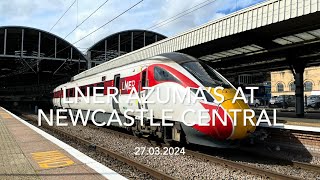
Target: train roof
118 62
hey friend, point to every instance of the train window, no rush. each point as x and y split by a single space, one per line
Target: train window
83 90
71 92
208 97
100 91
163 75
68 93
91 89
206 75
144 79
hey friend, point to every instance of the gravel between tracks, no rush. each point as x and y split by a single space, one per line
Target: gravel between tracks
118 166
180 166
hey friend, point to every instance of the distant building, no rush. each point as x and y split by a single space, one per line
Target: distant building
253 79
282 82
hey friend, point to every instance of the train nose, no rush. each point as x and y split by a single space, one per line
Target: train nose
219 129
240 129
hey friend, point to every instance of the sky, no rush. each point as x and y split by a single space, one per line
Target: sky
43 14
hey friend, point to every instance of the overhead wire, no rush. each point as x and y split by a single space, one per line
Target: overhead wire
173 18
62 15
78 25
116 17
109 21
155 26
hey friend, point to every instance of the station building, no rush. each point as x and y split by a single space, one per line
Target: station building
33 61
282 82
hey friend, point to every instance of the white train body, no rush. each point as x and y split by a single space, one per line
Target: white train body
169 75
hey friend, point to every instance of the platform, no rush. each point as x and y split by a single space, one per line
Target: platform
27 152
300 124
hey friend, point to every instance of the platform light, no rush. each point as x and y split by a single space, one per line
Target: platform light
243 50
282 41
293 39
212 56
305 36
205 58
234 52
315 33
219 55
251 48
256 46
227 53
216 57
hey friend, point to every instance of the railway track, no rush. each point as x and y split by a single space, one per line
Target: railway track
152 172
241 166
159 175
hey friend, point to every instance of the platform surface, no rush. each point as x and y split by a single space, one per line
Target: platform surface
302 124
26 154
288 119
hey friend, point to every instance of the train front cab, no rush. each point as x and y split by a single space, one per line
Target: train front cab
218 135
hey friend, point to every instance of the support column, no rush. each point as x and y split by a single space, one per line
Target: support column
71 54
79 64
131 41
22 41
144 39
38 59
55 47
39 44
299 93
119 44
5 42
105 49
298 70
89 60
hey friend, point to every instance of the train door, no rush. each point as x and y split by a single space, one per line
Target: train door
60 97
116 84
69 95
143 83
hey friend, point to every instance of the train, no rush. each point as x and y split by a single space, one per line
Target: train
176 70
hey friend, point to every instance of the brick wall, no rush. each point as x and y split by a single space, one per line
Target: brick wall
285 77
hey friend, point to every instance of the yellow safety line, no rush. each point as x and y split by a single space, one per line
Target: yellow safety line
51 159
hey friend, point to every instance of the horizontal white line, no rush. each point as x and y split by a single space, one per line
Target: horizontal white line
98 167
293 127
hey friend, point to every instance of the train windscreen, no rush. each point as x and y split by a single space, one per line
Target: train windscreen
206 75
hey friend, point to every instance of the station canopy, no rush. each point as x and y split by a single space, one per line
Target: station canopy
121 43
33 62
31 57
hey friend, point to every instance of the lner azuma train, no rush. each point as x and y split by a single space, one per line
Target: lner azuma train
174 70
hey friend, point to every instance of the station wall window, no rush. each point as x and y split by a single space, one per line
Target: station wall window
280 87
292 86
308 86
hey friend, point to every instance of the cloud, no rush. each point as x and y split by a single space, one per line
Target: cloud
43 14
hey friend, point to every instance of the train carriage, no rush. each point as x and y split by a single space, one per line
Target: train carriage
166 71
